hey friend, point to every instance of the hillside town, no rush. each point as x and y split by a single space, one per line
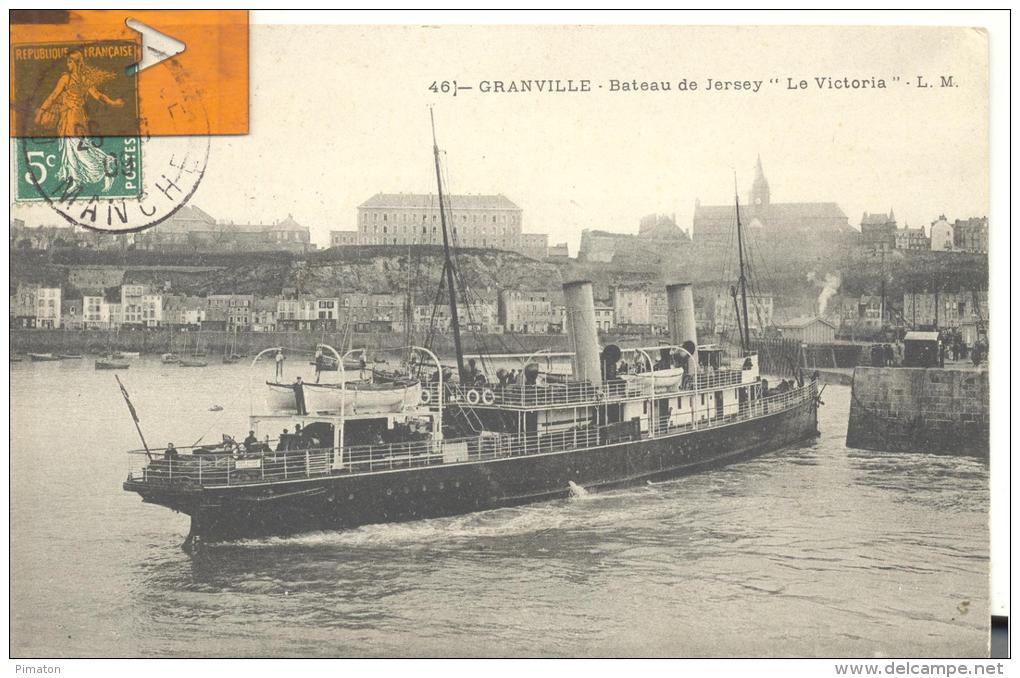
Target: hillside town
811 251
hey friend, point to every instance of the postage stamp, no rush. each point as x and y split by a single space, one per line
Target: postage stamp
66 94
76 90
42 166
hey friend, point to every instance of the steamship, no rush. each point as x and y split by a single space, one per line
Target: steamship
380 447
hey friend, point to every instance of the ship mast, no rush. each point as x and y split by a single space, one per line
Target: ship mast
745 336
448 261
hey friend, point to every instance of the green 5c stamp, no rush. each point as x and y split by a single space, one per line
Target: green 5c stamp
53 166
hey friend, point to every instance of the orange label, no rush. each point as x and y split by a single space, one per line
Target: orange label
70 74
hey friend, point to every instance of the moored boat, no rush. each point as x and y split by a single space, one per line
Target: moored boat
70 356
42 357
170 358
111 364
190 362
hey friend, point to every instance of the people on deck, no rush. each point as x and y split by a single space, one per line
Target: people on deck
171 452
284 443
250 442
471 373
299 396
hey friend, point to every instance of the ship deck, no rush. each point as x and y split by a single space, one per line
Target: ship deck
201 468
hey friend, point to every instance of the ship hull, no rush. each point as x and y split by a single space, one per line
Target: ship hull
345 501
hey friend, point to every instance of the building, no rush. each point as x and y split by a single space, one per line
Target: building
809 330
658 235
559 251
71 316
300 308
263 314
191 229
802 230
863 313
426 317
485 221
96 312
23 306
946 309
941 235
971 235
912 239
183 311
878 232
47 304
760 310
234 309
140 306
605 318
631 306
343 238
658 310
526 311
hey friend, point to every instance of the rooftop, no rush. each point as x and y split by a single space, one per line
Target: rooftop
802 322
431 201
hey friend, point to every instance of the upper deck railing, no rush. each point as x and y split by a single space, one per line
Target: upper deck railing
201 468
640 385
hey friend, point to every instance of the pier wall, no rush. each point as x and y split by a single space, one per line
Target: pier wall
919 409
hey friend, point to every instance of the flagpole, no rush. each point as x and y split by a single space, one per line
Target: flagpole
134 416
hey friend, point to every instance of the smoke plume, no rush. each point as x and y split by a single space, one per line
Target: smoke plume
829 288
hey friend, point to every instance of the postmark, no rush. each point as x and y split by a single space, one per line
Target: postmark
117 183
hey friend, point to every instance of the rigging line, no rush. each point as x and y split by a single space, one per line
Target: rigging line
766 274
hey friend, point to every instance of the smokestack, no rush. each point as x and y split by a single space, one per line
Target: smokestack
579 300
682 329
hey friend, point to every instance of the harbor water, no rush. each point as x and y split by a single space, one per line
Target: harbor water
812 550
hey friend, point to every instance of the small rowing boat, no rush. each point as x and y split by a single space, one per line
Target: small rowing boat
109 364
42 357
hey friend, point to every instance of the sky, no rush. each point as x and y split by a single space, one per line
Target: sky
339 113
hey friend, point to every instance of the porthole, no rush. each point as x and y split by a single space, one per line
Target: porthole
389 491
350 497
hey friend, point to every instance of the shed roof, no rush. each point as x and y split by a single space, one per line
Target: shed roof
921 336
802 322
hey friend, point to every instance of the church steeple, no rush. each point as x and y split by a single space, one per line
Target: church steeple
760 187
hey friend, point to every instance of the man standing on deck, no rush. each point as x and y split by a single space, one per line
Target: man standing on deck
318 363
299 395
250 441
279 364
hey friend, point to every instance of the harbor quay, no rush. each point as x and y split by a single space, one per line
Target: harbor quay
214 342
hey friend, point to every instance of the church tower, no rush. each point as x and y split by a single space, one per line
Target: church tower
760 188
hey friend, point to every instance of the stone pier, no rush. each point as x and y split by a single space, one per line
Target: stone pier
919 409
